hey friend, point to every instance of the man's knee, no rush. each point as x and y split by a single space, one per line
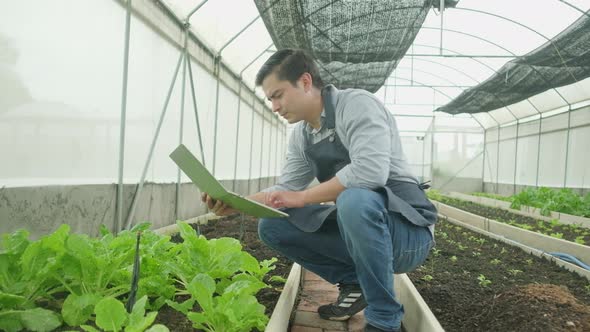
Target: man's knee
269 231
356 203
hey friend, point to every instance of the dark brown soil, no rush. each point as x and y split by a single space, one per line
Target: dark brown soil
231 227
525 293
572 233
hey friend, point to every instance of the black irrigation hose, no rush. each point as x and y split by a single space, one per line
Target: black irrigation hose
134 278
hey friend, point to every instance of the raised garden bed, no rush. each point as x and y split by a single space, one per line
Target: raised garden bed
474 283
247 233
554 228
505 203
91 277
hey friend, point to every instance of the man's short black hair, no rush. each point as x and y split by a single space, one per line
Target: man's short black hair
289 65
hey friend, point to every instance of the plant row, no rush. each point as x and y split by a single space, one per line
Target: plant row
547 200
553 228
86 282
468 278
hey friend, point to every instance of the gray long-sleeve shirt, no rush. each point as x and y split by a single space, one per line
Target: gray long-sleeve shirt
367 130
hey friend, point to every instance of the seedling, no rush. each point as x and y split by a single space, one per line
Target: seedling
453 259
483 282
514 272
427 278
529 261
557 235
580 240
503 251
436 252
476 254
495 261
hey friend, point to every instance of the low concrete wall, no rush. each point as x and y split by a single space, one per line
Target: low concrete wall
41 210
506 189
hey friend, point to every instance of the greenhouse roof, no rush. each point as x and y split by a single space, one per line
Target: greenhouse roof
421 68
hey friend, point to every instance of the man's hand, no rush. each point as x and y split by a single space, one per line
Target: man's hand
288 199
216 206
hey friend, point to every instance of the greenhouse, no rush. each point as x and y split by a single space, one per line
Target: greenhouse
275 165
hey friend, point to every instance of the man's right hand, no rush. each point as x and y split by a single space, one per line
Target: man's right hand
216 206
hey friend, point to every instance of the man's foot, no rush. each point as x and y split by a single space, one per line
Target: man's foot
371 328
350 301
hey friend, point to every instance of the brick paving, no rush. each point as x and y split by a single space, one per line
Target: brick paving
316 291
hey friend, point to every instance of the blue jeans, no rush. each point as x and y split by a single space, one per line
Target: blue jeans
366 245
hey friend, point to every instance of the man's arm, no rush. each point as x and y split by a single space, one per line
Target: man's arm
324 192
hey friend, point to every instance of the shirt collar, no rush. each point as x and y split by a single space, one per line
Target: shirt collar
312 130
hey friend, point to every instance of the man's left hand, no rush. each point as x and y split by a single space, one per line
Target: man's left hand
287 199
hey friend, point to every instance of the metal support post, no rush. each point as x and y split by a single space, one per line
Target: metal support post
237 136
119 207
567 146
153 145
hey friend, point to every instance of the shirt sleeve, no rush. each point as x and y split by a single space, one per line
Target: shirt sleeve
368 134
297 173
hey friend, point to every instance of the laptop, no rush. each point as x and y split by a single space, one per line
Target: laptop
201 177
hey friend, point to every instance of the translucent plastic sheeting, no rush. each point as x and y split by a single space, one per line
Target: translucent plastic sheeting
578 171
61 97
457 154
413 147
526 160
502 115
491 162
577 92
412 124
506 161
485 119
456 123
146 94
218 21
427 156
552 159
245 132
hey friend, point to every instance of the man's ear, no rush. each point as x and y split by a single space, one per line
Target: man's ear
307 81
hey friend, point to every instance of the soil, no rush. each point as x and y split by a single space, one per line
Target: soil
230 227
572 233
473 283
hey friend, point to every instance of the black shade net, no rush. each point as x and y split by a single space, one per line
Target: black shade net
563 60
357 43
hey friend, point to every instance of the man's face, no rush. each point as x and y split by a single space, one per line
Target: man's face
286 99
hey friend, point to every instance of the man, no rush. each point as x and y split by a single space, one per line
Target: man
382 222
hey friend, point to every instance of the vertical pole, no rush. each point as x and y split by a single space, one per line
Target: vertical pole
515 157
423 153
237 136
217 75
567 146
153 145
498 162
538 151
181 130
119 208
269 151
251 145
432 125
261 152
483 165
194 100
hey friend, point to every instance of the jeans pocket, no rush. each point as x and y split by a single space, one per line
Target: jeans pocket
408 260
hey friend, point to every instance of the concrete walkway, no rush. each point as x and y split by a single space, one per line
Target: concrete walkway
316 291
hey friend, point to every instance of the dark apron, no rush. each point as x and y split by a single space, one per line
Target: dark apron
328 156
